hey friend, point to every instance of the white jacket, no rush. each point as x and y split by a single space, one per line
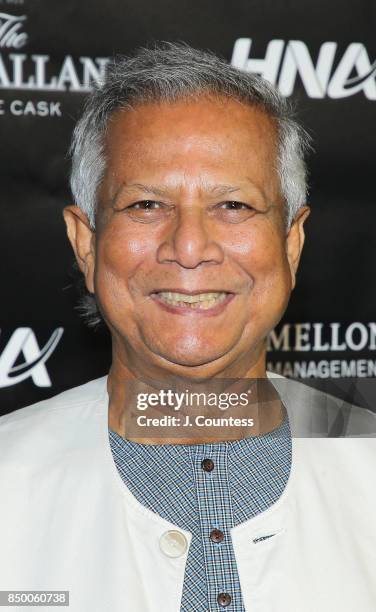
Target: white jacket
68 522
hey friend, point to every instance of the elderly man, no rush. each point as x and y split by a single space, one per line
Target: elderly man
189 184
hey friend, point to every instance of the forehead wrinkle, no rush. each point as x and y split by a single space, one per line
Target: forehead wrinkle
220 190
204 188
148 189
214 190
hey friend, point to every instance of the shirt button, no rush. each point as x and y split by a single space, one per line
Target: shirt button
173 543
207 465
216 535
224 599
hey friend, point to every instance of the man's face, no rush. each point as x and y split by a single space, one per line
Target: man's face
191 204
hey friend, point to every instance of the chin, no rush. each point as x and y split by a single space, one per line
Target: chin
196 372
192 359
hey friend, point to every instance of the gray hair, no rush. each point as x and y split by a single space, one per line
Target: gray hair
169 72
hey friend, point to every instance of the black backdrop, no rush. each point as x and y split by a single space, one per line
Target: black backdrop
48 51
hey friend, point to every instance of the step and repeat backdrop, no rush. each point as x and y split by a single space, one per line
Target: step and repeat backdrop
323 54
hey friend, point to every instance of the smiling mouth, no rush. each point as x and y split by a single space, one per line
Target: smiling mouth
197 301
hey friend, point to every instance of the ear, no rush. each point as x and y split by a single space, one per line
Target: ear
295 241
82 239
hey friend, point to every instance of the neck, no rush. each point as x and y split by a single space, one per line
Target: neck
264 408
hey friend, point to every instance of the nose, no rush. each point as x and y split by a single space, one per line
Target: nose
190 242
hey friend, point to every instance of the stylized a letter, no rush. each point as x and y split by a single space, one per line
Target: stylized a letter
342 85
23 341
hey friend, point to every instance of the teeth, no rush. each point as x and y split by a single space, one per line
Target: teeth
201 300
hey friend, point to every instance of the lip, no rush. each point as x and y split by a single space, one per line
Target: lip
188 291
186 310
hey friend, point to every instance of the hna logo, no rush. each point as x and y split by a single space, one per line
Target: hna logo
23 342
283 62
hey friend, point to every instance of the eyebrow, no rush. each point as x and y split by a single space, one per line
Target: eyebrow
214 190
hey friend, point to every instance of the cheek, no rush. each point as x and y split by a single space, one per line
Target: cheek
260 250
119 259
262 255
273 282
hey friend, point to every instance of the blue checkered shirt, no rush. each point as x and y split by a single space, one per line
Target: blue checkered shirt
248 476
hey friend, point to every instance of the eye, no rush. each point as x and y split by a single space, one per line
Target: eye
233 211
145 205
234 205
146 211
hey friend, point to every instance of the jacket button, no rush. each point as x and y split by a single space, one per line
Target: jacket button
207 465
173 543
216 535
224 599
